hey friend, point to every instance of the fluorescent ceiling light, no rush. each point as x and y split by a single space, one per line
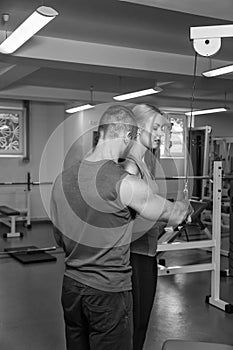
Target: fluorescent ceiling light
218 71
207 111
141 2
37 20
79 108
137 94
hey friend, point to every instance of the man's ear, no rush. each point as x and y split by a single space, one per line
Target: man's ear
138 132
128 137
101 134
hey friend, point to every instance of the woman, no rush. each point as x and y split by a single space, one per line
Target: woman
141 162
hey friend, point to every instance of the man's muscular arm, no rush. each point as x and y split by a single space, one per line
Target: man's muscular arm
136 194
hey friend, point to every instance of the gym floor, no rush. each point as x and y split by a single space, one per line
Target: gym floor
31 315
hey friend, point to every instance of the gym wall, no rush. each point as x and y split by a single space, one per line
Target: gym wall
43 119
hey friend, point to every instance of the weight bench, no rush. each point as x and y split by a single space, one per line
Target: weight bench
6 211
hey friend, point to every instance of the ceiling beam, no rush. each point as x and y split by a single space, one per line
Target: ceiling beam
42 93
58 50
221 9
13 73
66 96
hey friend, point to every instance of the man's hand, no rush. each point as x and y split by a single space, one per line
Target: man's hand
181 211
189 214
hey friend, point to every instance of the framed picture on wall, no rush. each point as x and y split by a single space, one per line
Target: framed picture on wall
12 133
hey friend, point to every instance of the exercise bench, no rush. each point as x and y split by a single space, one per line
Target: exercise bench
11 213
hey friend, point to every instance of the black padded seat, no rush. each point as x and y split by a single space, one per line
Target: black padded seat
5 210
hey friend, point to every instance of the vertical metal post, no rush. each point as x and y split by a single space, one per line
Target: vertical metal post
214 298
13 233
26 105
231 230
216 230
28 200
12 225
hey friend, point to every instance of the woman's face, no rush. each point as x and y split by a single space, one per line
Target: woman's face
153 131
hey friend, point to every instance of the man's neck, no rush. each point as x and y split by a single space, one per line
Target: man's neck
102 152
138 151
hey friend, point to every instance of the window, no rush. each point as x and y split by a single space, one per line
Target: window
173 143
12 133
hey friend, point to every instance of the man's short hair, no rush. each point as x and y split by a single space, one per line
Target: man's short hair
116 119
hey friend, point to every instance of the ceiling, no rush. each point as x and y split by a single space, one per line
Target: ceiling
117 46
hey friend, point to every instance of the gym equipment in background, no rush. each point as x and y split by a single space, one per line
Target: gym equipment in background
5 212
31 254
9 214
213 244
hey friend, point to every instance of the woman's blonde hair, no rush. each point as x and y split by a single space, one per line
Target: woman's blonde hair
143 112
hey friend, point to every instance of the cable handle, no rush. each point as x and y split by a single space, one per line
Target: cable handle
186 191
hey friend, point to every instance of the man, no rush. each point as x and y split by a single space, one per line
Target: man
93 205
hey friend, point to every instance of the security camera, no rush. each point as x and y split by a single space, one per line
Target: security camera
207 39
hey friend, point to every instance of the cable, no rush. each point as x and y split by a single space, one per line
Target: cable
190 126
